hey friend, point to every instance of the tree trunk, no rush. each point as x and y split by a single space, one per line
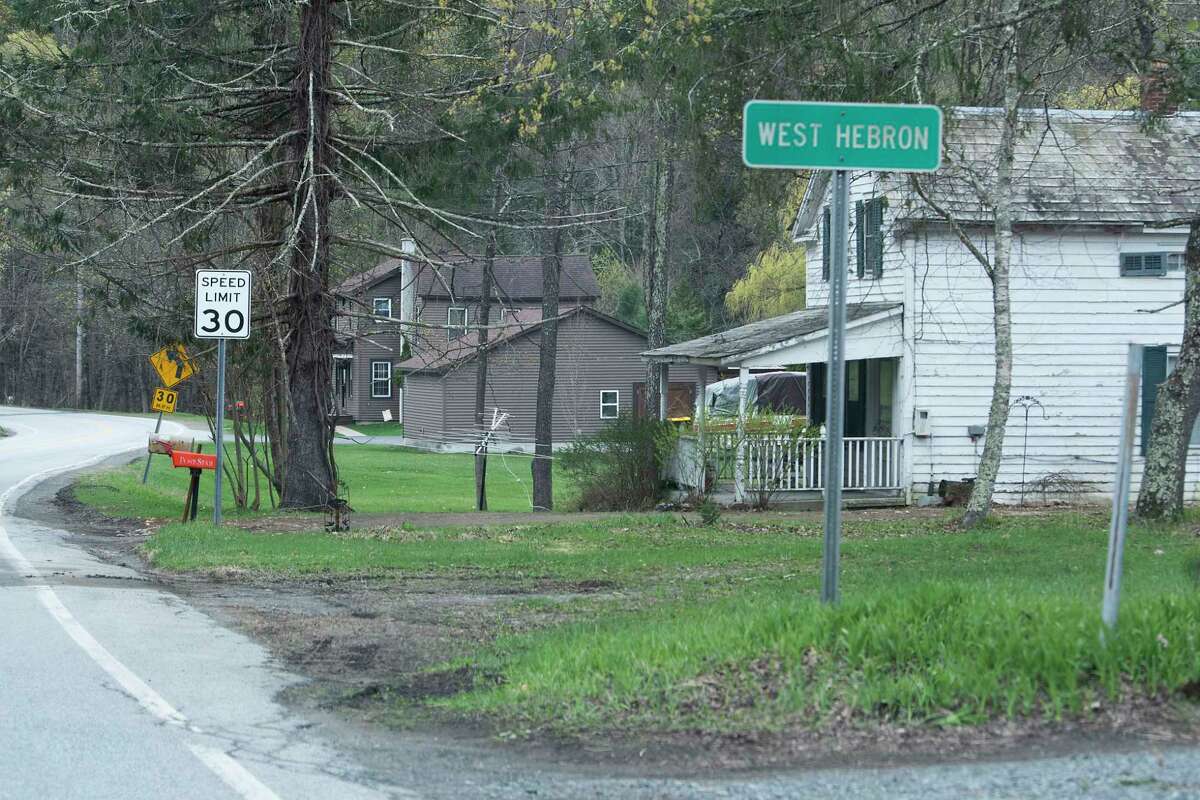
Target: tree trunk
308 475
656 274
481 371
980 504
543 483
1177 405
78 341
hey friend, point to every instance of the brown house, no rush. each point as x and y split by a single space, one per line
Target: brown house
419 319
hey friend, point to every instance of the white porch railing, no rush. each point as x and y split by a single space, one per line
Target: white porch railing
788 464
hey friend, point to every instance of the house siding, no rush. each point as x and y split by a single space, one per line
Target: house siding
374 342
424 406
593 355
1073 319
889 287
1074 316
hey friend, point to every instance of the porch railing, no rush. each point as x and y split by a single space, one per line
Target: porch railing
788 464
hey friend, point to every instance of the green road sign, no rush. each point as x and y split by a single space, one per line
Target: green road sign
777 134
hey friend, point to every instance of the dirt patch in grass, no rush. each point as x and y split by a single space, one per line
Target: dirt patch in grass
374 649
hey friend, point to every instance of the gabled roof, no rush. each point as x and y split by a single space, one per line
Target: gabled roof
465 348
1071 167
729 346
458 278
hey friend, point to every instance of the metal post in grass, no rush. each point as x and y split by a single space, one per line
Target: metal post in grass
157 428
1120 498
839 266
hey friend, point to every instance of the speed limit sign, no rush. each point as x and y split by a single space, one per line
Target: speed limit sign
222 304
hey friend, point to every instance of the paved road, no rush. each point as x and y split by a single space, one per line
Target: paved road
111 687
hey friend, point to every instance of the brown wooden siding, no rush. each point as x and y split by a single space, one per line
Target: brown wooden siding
593 356
423 406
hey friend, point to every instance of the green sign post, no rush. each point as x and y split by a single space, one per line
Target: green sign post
893 138
839 137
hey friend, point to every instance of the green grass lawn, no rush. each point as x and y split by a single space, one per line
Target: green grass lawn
378 428
377 480
719 628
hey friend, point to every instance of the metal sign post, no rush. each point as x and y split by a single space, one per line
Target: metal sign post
157 428
839 136
222 312
839 267
1120 498
219 437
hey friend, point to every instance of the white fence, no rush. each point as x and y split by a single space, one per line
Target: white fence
789 464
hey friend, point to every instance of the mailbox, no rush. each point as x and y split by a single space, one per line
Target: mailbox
164 446
182 458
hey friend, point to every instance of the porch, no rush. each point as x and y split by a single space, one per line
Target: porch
721 456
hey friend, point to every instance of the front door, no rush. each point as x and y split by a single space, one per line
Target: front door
343 386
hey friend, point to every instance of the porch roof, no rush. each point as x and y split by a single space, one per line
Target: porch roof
780 341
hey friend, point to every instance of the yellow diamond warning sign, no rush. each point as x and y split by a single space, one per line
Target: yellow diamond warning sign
172 365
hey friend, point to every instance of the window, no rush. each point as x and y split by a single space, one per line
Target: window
503 315
381 379
1143 265
382 307
868 229
1174 262
456 322
610 404
1157 364
825 219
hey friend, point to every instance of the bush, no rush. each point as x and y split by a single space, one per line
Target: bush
619 468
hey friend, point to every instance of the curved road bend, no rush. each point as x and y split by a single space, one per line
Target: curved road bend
119 689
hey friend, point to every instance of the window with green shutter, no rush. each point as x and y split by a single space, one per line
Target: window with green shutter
874 236
860 229
1144 265
825 219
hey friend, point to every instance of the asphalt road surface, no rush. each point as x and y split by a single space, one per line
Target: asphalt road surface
112 687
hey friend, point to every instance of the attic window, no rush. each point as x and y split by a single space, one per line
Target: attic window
1144 265
382 306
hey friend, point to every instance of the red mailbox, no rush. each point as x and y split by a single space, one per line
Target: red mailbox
181 458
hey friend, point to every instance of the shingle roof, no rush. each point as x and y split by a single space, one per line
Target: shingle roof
748 338
1090 167
517 277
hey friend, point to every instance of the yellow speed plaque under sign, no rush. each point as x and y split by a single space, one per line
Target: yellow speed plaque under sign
172 365
164 400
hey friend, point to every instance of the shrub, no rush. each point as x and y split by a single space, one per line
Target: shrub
619 468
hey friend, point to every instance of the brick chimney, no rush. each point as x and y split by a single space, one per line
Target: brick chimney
1156 89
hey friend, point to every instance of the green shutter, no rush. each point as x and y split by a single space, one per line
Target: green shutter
825 244
1154 372
875 228
860 230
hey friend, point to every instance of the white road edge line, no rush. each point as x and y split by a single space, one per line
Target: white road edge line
233 774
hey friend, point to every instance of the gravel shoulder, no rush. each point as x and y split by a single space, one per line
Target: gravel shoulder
365 645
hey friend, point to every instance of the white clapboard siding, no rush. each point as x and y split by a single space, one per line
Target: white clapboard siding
889 288
1073 318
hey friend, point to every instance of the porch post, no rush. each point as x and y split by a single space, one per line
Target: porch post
739 471
663 385
702 457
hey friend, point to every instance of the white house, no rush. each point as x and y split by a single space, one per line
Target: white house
1100 198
